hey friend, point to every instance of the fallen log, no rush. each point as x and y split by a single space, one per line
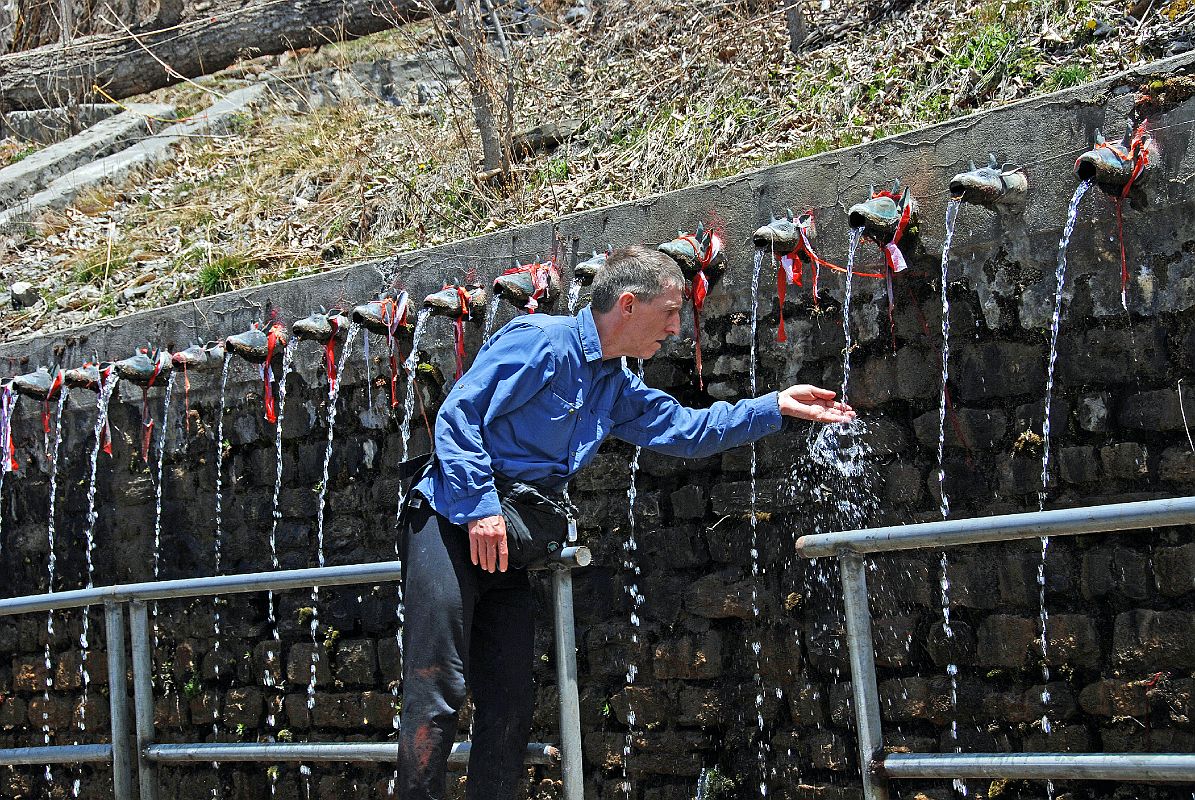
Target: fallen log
126 63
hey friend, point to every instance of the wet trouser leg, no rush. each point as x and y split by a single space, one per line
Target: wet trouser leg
461 620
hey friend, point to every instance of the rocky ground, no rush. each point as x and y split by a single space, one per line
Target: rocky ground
656 96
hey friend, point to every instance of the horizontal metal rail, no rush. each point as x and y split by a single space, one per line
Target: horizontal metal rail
58 754
385 752
1168 767
1006 527
235 584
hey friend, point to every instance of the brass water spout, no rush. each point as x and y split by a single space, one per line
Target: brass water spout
990 185
447 301
253 345
40 384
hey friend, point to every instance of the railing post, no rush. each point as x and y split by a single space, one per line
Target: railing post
863 673
566 681
143 697
118 701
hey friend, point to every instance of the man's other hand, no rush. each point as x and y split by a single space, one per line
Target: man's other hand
816 405
487 541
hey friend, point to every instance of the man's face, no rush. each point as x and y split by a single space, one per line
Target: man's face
653 321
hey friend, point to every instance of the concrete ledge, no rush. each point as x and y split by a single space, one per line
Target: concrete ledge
107 136
49 125
146 153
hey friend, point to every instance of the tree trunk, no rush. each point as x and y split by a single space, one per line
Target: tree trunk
125 65
471 41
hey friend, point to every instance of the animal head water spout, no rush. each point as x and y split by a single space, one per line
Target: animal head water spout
257 346
383 316
199 356
782 234
320 326
697 252
990 185
587 270
143 367
41 384
1121 168
529 286
887 216
90 376
456 300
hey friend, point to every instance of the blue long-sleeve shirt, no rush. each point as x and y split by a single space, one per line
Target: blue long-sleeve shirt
538 401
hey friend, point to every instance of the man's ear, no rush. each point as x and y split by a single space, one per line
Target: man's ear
626 302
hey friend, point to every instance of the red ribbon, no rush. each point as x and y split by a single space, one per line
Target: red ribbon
701 287
458 330
1138 153
541 280
330 351
392 319
890 258
272 336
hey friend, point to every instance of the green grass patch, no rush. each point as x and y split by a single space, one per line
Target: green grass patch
226 272
1067 76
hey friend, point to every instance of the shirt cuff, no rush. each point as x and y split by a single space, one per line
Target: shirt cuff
766 416
475 506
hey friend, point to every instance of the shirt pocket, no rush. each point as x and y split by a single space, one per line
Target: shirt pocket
556 408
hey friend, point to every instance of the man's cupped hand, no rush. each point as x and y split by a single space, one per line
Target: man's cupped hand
814 404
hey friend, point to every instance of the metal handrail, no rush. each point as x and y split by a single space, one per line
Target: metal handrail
149 753
851 546
1003 528
276 580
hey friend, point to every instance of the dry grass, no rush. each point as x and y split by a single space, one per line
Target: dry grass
671 94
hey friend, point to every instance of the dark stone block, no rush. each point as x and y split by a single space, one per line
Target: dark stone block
699 706
1152 640
1016 575
893 637
1079 465
356 662
903 484
243 706
390 659
1128 461
205 707
688 502
1029 416
1174 569
1006 641
909 699
680 547
650 705
379 710
1112 356
689 657
1060 739
957 648
1115 570
298 716
1093 412
826 750
968 428
1156 411
337 710
1072 640
172 712
299 662
806 706
721 596
1114 698
1178 466
993 370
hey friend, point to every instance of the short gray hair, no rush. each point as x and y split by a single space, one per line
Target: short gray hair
643 272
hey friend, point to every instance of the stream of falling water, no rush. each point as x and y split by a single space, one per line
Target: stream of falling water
275 513
51 563
1072 214
574 296
158 495
856 237
333 395
952 209
8 404
103 399
408 401
756 644
491 314
631 564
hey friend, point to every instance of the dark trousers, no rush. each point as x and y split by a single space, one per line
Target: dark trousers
463 624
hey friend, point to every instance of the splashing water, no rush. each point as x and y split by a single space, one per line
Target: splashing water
574 296
51 563
1068 229
218 539
333 395
630 563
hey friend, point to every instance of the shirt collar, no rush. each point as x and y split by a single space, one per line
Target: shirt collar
591 345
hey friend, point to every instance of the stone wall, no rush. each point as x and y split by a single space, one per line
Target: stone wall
1121 628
